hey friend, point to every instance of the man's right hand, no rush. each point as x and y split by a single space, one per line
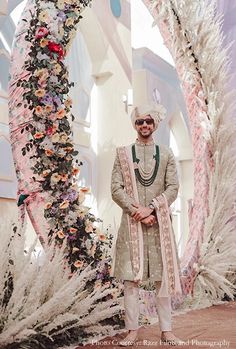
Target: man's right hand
150 220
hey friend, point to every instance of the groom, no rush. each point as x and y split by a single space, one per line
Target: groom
144 184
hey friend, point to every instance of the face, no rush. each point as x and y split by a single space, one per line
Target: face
144 126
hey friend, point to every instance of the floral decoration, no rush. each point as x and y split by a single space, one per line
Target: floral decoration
55 161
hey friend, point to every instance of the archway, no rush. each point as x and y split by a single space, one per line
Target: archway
195 92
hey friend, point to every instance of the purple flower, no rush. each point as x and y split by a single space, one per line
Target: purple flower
57 101
47 99
62 16
70 195
53 210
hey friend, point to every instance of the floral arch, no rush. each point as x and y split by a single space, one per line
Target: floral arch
41 133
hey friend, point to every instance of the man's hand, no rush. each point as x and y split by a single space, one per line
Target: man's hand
150 220
141 213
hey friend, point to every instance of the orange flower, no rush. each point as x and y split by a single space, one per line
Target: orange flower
68 102
48 152
61 234
64 177
88 227
48 109
102 237
78 264
45 173
64 204
60 114
48 205
43 42
40 92
73 230
68 149
75 171
38 110
85 190
38 135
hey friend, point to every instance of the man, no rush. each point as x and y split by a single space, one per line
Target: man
144 184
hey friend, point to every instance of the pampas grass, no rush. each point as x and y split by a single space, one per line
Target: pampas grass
196 43
41 301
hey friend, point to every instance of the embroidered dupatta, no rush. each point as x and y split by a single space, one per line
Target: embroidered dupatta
170 280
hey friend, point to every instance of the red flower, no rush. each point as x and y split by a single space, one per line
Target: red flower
41 32
53 47
49 131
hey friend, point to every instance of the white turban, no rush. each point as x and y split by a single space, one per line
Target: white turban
156 111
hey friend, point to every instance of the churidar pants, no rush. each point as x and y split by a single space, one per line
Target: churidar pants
131 303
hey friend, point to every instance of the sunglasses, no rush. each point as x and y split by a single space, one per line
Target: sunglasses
140 122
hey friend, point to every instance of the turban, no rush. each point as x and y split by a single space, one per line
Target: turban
156 111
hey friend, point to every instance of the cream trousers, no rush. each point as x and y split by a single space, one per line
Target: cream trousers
131 303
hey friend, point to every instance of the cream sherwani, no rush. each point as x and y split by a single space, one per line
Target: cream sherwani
166 182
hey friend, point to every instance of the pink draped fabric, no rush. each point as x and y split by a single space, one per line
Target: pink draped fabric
19 117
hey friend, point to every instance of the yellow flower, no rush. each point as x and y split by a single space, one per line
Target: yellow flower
81 197
44 17
57 69
72 35
55 177
64 204
55 138
75 249
68 102
78 264
69 22
43 42
88 227
61 234
61 4
40 93
61 30
63 138
40 72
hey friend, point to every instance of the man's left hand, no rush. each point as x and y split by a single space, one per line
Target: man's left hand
141 213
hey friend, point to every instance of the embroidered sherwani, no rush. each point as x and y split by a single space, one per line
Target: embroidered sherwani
166 182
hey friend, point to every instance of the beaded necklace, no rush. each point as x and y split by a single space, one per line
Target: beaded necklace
146 178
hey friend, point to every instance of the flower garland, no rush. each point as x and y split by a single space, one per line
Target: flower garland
50 32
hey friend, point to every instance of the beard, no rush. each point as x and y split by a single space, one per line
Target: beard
147 134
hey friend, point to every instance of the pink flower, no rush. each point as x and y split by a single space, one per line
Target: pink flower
41 32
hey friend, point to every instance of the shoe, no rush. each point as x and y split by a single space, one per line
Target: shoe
129 340
171 339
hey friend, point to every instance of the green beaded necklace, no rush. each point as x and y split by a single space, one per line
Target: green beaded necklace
146 182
